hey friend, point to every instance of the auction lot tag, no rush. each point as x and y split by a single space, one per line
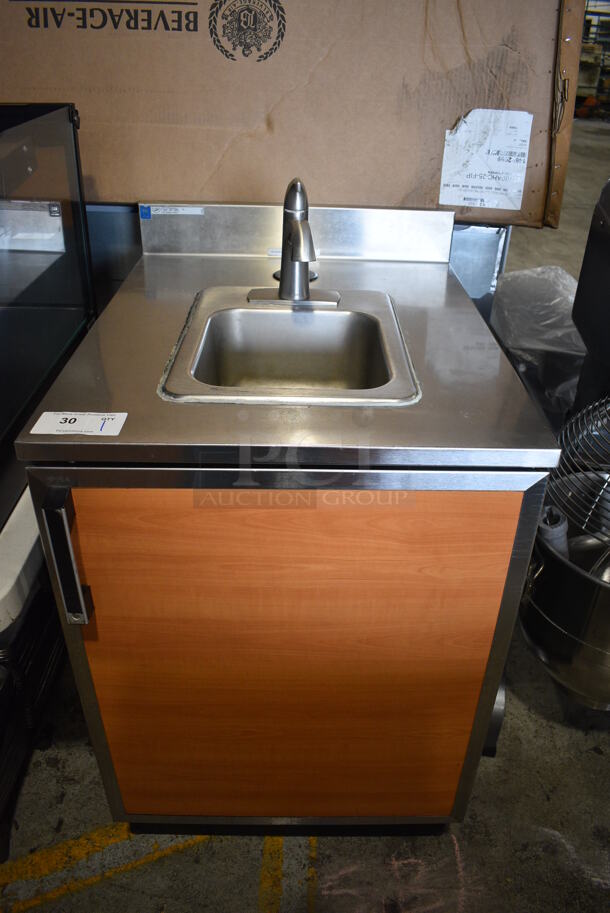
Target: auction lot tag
106 424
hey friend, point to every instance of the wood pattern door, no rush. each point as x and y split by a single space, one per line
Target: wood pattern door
274 653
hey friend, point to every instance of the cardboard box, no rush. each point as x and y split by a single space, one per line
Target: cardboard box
228 100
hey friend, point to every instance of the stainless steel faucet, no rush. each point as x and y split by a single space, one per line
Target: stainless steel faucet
298 249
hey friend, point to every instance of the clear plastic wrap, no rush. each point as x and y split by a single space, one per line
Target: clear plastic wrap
532 317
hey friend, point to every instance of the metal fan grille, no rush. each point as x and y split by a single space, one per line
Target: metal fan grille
580 485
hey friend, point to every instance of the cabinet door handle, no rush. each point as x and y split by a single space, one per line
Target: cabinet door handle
58 515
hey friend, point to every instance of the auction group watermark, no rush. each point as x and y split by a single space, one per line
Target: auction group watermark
293 499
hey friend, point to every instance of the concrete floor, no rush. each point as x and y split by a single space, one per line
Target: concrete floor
536 837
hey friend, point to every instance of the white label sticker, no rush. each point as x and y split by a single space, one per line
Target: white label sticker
485 160
177 210
106 424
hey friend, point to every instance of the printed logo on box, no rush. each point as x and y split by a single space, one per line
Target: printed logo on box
162 17
238 28
247 26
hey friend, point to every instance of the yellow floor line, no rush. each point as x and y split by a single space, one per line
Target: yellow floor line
312 875
62 856
270 884
73 887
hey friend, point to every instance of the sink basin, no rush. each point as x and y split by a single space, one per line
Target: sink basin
291 350
234 351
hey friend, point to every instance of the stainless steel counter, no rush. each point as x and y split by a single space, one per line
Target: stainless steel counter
473 410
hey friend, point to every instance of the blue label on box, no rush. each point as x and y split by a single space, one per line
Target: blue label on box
145 212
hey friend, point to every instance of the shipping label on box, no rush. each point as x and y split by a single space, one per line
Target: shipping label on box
485 160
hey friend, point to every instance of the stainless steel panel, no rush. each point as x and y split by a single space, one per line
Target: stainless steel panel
294 478
256 231
515 579
80 666
477 257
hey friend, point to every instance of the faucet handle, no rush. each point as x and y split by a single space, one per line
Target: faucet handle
301 242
